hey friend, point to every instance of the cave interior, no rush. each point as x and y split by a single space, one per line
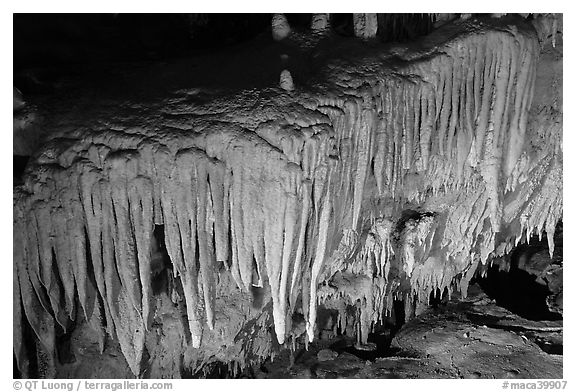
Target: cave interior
288 196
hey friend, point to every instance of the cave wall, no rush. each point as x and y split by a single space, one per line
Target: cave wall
397 173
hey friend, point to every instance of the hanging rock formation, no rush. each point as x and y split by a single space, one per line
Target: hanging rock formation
280 27
398 174
365 25
286 82
320 23
25 134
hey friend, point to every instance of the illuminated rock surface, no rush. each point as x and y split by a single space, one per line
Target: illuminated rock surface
473 338
394 173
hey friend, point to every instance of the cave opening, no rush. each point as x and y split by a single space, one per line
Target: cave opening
528 281
160 264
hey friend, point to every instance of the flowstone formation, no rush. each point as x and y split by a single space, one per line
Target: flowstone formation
397 173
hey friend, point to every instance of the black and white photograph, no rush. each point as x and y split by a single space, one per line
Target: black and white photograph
287 196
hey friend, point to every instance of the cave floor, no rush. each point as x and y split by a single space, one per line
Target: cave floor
465 338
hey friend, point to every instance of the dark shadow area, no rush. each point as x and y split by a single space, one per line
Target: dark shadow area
343 24
160 264
29 342
15 372
42 40
518 292
522 281
381 337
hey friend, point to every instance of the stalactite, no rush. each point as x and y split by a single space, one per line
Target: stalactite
140 191
296 274
320 23
206 253
88 184
35 311
63 259
122 169
286 81
319 256
274 216
300 190
22 360
188 223
280 27
365 25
